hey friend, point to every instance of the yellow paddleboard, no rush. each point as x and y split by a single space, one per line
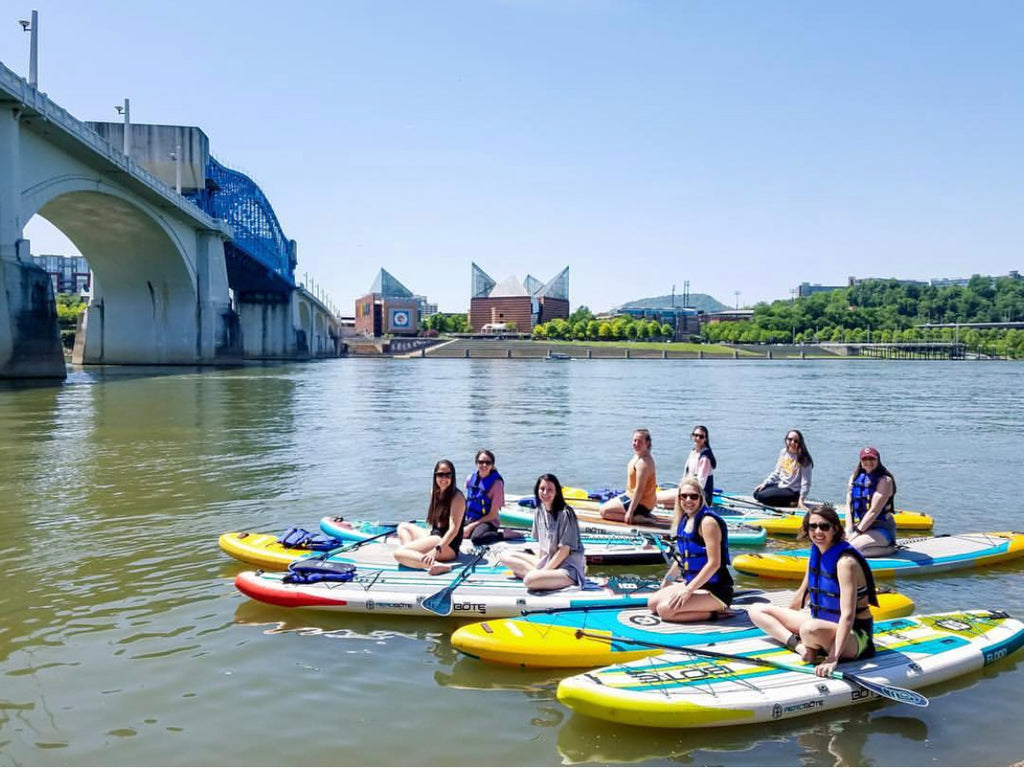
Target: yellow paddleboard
550 640
789 525
914 557
260 549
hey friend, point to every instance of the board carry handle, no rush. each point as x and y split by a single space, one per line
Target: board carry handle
885 690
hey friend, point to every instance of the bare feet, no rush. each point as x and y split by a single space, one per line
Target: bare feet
438 568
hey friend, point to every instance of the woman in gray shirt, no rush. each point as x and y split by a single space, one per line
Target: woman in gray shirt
560 561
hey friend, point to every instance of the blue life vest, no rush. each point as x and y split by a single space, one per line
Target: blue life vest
693 552
300 538
709 484
823 580
314 570
861 491
478 503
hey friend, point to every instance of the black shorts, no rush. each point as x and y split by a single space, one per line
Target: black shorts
640 508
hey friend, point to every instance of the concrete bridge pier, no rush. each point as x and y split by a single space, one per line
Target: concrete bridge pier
29 337
266 325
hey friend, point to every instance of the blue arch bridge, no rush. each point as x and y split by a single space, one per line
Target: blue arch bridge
190 262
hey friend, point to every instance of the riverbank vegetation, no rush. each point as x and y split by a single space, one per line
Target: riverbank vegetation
583 326
888 311
69 307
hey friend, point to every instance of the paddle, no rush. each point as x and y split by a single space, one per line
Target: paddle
352 545
441 602
755 505
884 690
620 605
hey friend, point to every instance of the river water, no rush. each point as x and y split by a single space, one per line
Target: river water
123 641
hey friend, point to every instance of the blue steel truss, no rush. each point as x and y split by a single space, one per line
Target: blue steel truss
234 197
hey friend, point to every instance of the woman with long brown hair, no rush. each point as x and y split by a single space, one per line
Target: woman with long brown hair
434 550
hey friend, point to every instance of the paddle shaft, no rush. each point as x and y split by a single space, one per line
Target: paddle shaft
441 602
885 690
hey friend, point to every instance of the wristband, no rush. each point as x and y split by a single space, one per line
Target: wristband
438 547
856 529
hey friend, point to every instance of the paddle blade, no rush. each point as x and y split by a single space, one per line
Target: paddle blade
440 602
893 692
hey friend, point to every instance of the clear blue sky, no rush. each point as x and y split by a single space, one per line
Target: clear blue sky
743 146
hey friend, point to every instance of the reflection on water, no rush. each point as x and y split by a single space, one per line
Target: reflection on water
123 641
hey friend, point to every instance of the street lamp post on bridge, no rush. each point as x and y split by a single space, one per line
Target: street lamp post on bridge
33 50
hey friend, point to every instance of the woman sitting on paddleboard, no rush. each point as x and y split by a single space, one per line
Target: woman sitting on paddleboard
432 551
839 589
701 463
560 561
790 481
870 526
701 558
485 496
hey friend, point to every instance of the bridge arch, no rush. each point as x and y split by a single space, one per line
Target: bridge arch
145 288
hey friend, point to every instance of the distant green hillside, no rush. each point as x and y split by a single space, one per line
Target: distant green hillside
697 300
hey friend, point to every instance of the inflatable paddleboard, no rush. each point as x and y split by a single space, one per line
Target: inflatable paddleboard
481 595
550 639
686 690
265 550
786 521
913 557
515 515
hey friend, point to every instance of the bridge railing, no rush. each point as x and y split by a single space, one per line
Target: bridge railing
39 102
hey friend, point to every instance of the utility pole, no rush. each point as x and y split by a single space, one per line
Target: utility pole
737 299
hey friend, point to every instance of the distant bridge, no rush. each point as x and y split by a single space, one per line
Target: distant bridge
202 277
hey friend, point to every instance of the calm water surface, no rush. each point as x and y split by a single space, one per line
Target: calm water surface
123 641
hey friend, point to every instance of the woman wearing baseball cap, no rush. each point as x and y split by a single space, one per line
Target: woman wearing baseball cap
870 526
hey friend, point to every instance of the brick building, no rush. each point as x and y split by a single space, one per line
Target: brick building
389 307
526 304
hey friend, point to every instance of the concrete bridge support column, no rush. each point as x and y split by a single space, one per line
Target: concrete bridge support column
29 337
267 331
219 333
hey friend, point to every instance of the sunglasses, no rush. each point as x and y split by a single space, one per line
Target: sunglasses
689 496
792 439
484 462
819 527
444 474
698 434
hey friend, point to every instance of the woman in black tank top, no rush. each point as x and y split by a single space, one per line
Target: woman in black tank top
432 550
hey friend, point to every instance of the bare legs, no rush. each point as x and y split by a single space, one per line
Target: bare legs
524 566
813 635
417 550
672 604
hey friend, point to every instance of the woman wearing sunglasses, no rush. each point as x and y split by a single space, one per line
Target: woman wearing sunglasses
701 463
870 526
839 589
790 481
485 496
432 551
701 558
560 561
